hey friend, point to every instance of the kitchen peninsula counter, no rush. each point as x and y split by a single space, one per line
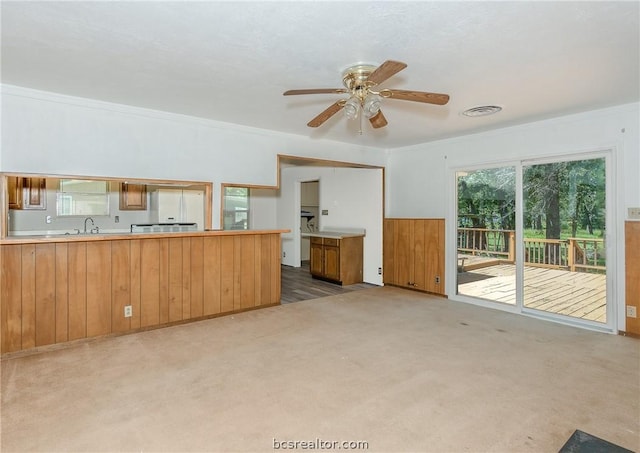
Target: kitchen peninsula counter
44 238
332 234
61 288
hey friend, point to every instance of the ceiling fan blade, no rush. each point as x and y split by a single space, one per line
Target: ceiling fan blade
385 70
378 121
418 96
316 91
328 113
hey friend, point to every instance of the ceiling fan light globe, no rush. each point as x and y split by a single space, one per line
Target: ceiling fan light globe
351 108
371 106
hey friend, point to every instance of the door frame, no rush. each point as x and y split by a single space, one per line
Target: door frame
612 280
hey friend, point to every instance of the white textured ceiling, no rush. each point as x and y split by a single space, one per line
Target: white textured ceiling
231 61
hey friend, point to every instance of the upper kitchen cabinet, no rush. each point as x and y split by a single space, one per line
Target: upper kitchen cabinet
133 197
26 193
14 188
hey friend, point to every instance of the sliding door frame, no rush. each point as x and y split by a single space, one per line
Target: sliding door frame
608 154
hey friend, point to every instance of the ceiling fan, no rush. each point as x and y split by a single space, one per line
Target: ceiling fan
359 81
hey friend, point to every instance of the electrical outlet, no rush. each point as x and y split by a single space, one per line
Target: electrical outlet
325 212
632 312
633 213
379 271
437 279
128 311
116 219
284 254
49 219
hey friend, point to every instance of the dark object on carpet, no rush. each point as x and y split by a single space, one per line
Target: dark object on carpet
581 442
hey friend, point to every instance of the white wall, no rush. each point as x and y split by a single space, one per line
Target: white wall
418 178
262 209
353 197
55 134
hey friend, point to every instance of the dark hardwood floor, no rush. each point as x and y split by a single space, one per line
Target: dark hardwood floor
298 285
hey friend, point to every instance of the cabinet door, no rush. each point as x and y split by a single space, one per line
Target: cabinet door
34 193
332 262
14 188
316 263
133 197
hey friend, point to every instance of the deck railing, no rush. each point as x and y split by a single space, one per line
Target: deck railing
487 242
574 254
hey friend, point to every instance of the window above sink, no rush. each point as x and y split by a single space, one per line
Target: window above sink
82 197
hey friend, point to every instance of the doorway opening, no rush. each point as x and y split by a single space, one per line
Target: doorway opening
309 215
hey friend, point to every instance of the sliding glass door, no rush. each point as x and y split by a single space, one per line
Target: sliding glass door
564 228
486 234
532 236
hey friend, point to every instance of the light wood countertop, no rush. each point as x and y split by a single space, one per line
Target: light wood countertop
128 236
332 235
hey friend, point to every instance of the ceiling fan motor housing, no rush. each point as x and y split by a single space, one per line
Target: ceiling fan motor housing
355 79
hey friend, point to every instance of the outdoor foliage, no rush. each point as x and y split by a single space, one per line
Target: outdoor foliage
563 199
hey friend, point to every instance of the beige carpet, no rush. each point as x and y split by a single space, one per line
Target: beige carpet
396 369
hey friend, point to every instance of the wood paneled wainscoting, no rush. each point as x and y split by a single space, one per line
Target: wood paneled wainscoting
414 254
59 290
632 275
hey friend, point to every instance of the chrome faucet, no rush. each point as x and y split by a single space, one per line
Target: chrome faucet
85 224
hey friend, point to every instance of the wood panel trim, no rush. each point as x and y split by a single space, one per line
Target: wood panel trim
72 343
632 273
11 298
413 254
56 293
45 294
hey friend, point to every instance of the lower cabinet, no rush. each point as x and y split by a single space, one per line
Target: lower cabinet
62 291
414 254
337 260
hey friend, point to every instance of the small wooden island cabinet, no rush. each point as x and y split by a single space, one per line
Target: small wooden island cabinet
337 257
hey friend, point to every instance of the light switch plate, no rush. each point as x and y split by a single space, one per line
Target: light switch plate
633 213
632 312
325 212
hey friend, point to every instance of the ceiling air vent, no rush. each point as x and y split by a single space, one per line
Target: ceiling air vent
482 110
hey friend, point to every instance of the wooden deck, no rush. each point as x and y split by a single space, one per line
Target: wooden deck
577 294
